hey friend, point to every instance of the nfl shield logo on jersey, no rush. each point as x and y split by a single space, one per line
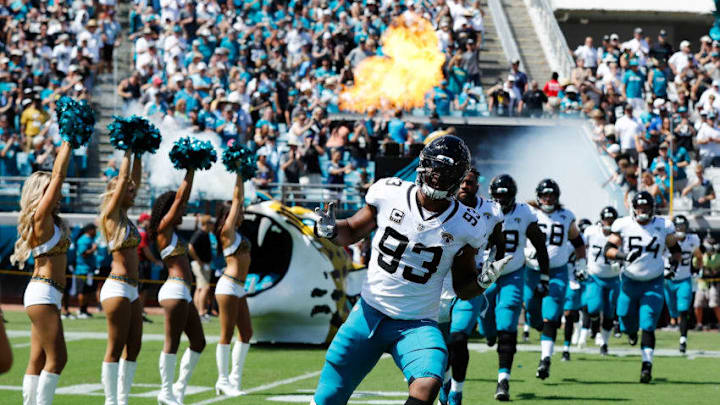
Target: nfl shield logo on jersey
447 238
397 216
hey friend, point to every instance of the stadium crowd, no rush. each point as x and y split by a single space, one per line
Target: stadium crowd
47 50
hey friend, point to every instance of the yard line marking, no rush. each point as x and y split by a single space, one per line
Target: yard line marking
263 387
620 352
76 335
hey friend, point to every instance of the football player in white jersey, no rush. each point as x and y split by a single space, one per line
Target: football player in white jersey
464 313
421 233
603 286
574 299
543 310
505 296
678 289
640 240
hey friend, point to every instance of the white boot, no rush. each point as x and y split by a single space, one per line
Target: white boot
109 378
167 375
223 386
582 340
29 390
46 387
187 365
125 379
239 353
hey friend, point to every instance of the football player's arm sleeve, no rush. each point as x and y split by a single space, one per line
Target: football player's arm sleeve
537 238
577 240
612 248
497 239
357 227
465 273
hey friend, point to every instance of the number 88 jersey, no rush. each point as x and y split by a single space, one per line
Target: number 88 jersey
413 249
649 239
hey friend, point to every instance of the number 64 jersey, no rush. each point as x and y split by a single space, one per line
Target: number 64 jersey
649 239
413 249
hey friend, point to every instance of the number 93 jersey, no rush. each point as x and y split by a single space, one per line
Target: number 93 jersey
413 249
555 226
598 264
649 239
688 246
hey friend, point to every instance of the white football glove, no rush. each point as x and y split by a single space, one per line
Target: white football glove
580 272
491 271
326 226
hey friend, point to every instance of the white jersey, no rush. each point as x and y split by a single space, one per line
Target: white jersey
598 264
649 239
491 215
413 249
688 246
556 227
515 231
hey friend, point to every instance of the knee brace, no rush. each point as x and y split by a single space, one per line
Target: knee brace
647 340
550 329
459 355
507 346
415 401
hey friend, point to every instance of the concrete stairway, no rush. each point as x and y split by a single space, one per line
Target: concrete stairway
493 62
531 52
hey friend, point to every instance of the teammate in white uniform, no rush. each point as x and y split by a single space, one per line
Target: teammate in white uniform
464 313
421 233
640 240
603 286
678 289
559 227
505 295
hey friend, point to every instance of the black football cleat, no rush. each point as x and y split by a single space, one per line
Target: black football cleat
603 350
491 341
543 370
502 393
632 339
566 356
646 372
683 347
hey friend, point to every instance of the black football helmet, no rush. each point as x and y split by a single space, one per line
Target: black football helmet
643 206
444 162
503 190
608 215
547 187
583 224
681 225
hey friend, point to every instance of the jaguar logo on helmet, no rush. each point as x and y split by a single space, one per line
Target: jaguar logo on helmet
444 162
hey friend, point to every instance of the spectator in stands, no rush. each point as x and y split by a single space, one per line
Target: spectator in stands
337 169
628 131
682 60
662 49
521 79
552 87
471 62
638 45
441 99
111 171
499 98
708 289
534 101
700 190
264 174
588 54
662 180
129 89
679 160
359 144
632 85
397 128
651 186
42 156
86 262
201 254
310 153
32 121
291 163
703 55
708 140
657 78
9 148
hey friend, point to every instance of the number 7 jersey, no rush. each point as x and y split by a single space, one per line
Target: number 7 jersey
413 249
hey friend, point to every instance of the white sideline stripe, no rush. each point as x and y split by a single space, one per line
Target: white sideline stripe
263 387
620 352
74 335
21 345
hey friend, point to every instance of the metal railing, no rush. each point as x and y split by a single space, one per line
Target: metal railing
502 26
551 37
314 194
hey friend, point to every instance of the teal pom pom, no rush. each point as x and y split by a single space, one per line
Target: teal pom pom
192 153
239 159
76 121
134 133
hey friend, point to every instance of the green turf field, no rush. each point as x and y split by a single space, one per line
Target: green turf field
288 375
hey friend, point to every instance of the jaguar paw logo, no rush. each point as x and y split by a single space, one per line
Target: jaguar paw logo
517 220
486 215
446 237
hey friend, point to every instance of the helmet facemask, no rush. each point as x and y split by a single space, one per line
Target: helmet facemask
547 200
439 177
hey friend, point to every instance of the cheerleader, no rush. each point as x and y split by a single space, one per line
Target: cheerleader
174 296
43 233
119 295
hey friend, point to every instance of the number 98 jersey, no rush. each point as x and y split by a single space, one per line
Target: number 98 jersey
649 239
413 249
515 231
555 226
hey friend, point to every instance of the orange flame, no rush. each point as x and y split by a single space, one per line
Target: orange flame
411 67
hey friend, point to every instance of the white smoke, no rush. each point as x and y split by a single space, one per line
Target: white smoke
561 153
213 184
